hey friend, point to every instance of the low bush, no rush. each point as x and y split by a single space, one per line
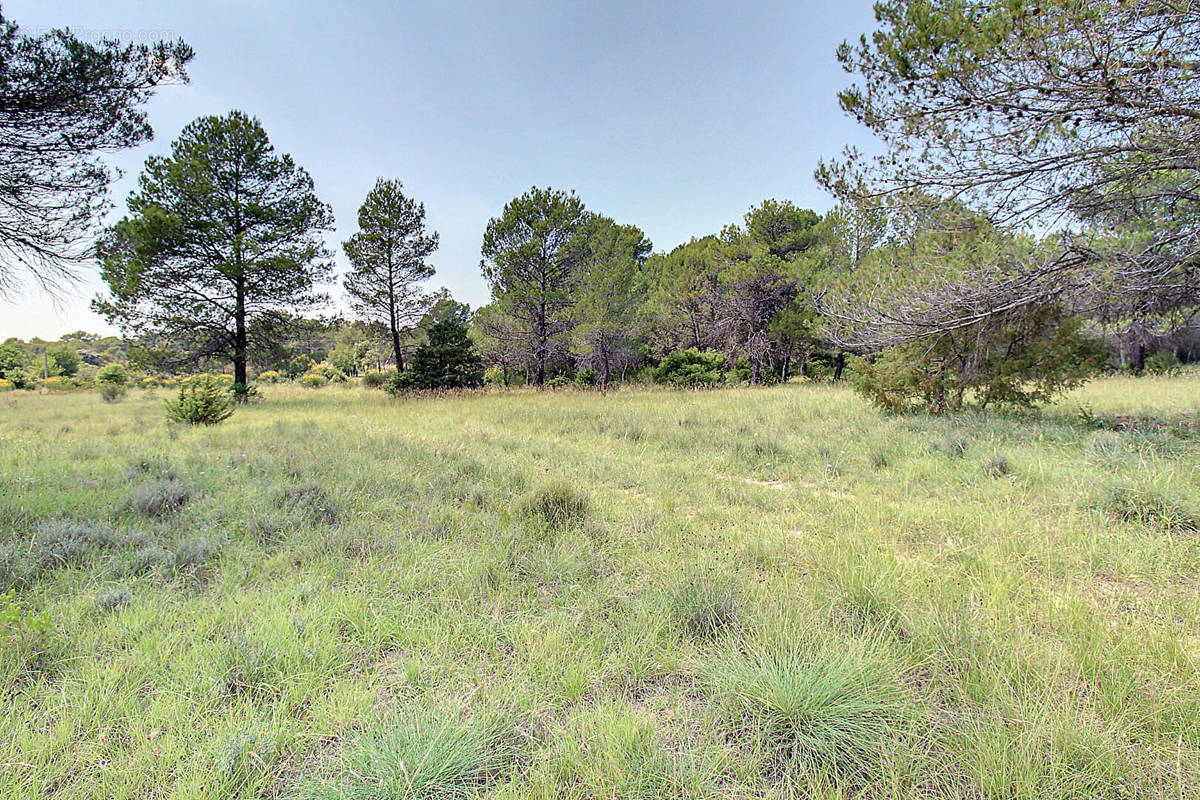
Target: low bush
556 505
159 499
587 377
691 368
112 599
996 466
6 385
269 376
1164 362
113 375
374 379
57 383
55 544
313 380
111 392
558 382
206 401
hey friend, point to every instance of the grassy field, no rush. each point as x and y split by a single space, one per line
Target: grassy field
738 593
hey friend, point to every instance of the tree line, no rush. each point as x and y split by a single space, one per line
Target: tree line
1032 220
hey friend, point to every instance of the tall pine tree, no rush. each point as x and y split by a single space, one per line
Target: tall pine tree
387 256
223 241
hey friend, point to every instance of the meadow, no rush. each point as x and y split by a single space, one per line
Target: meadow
747 592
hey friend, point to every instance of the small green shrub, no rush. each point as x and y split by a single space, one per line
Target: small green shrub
556 505
310 501
706 606
246 755
112 599
691 368
374 379
111 392
587 377
299 365
27 646
113 375
558 382
426 755
1152 508
160 498
206 401
1164 362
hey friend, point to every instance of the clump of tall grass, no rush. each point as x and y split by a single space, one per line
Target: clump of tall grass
152 467
556 505
246 668
245 754
424 755
1151 507
706 606
996 466
310 501
816 708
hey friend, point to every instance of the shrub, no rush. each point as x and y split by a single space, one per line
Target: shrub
1019 360
299 365
494 376
587 377
310 501
427 755
195 552
374 379
691 367
706 606
6 385
112 599
447 360
558 382
149 382
113 374
150 558
1164 362
111 392
818 710
313 380
270 376
954 446
246 755
57 383
159 499
1152 508
55 544
206 401
557 506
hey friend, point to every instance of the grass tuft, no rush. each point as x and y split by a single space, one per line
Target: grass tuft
557 505
706 606
1152 508
424 755
310 501
996 466
816 708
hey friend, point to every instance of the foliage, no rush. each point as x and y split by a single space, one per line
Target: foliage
113 374
313 380
375 379
268 376
706 606
388 261
447 361
1011 360
530 255
206 401
111 392
691 368
65 101
221 236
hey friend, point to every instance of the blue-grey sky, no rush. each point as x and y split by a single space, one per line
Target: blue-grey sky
674 116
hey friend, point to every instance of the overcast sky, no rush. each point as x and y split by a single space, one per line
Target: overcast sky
674 116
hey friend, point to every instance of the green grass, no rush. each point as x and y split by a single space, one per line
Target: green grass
734 593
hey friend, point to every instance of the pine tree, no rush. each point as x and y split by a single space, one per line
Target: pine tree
448 360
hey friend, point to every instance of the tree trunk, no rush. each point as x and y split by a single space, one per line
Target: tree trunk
839 364
396 348
239 336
